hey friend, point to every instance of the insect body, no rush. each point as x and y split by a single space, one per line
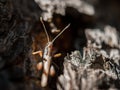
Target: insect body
47 57
47 63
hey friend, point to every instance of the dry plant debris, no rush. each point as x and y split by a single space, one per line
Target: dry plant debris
58 6
94 73
98 68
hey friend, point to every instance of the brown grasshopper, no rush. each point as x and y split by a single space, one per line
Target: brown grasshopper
47 57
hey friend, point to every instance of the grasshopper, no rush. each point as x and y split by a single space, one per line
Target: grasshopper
46 54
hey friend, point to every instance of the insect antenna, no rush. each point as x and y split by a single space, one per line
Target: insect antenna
60 33
45 29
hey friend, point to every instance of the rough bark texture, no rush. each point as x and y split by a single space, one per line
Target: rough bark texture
94 33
